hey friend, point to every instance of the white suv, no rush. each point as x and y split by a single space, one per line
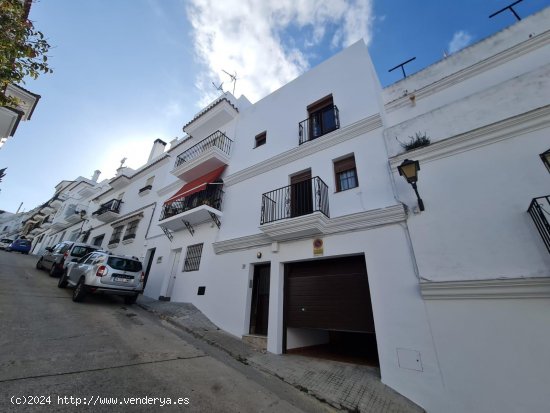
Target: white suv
103 272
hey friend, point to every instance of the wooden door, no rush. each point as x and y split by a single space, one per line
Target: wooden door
259 310
301 194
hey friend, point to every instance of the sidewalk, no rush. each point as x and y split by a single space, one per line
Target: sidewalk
342 385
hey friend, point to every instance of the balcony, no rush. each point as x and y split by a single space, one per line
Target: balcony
109 211
47 223
192 209
35 231
72 213
207 155
318 124
58 200
296 210
539 209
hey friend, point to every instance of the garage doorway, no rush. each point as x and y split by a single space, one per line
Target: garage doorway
328 310
259 308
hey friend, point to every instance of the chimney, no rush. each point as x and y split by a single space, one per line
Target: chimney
174 142
158 149
121 170
96 174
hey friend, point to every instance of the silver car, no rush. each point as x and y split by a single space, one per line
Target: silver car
5 243
56 258
103 272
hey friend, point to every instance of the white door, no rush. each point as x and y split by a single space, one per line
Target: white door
173 271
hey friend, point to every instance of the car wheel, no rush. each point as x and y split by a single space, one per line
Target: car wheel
53 270
80 291
130 299
62 283
39 264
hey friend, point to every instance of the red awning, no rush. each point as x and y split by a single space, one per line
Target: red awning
197 185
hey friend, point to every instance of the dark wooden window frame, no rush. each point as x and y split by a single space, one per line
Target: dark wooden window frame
260 139
343 165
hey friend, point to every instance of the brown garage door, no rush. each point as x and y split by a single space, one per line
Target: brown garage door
331 294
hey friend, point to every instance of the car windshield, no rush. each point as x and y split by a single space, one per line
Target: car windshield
80 251
124 264
6 240
24 242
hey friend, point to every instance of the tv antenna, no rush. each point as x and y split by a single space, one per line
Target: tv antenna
219 87
122 162
509 7
233 79
401 66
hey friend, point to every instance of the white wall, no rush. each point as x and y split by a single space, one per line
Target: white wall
476 224
493 354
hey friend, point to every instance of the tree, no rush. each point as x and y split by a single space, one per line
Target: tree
23 49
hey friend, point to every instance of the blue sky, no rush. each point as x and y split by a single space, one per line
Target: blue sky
127 72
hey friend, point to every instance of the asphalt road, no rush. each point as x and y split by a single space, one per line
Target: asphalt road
102 351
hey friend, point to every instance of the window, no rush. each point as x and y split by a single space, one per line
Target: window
131 230
148 186
124 264
91 258
61 248
86 235
345 173
115 236
261 139
74 235
193 258
97 241
323 117
80 251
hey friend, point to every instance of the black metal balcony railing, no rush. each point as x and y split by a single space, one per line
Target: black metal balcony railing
295 200
539 209
211 196
128 236
113 206
114 241
319 123
217 139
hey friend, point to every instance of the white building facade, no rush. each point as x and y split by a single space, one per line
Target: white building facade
286 221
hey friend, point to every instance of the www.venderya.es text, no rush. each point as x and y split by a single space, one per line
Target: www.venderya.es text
99 401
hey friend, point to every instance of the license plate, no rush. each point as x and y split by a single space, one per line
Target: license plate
122 280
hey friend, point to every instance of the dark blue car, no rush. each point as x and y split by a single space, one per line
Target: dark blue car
20 245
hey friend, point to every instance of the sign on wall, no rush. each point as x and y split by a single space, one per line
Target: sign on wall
318 249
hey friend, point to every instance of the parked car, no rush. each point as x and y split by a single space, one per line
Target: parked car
21 245
56 258
5 243
103 272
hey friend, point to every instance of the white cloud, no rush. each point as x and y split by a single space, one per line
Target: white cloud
460 40
247 37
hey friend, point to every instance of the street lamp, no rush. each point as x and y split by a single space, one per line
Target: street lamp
409 169
545 156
